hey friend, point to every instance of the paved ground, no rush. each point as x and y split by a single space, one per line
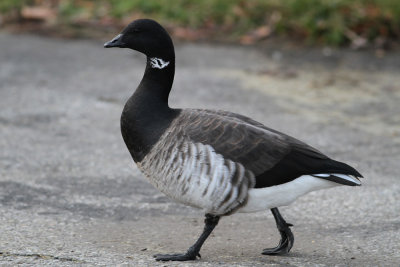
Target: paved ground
71 195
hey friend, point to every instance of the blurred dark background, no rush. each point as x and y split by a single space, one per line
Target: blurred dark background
355 23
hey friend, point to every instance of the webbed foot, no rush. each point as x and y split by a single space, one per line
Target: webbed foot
287 238
285 244
193 252
177 257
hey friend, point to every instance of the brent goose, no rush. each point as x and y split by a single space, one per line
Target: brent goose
218 161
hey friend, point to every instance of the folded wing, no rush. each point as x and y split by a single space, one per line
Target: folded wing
274 158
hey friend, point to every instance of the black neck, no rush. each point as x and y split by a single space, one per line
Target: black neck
157 83
146 114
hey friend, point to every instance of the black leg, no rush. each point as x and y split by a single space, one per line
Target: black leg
287 238
211 221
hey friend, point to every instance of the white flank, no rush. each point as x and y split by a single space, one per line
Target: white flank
284 194
158 63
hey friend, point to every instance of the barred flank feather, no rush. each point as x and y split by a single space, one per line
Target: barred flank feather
194 174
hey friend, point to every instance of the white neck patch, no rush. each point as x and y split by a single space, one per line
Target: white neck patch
158 63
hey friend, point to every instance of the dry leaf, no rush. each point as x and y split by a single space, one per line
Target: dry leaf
38 13
256 35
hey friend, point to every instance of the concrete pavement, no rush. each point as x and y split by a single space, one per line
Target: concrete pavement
70 194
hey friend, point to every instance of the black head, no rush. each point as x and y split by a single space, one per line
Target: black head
146 36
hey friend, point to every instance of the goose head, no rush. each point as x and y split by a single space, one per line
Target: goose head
145 36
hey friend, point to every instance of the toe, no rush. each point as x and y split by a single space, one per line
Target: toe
174 257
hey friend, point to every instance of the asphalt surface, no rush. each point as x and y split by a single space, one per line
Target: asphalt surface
70 194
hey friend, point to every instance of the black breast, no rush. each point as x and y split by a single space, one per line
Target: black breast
142 126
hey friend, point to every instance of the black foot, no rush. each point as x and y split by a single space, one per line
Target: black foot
287 239
177 257
193 252
285 244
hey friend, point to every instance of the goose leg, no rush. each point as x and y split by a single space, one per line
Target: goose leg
210 222
287 239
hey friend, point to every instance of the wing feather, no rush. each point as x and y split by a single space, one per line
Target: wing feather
273 157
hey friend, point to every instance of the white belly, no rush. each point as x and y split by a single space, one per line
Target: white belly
284 194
